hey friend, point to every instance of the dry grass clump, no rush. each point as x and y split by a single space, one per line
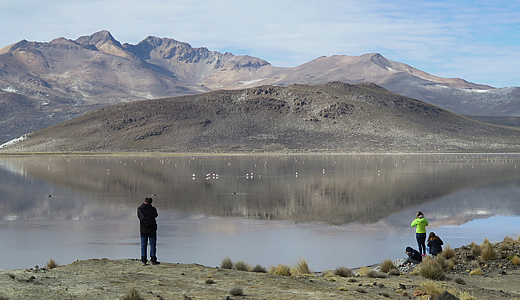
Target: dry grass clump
343 272
509 241
515 260
448 252
259 269
387 265
51 264
476 272
242 266
132 294
488 253
281 269
226 263
431 269
236 291
431 287
301 268
465 295
368 272
475 249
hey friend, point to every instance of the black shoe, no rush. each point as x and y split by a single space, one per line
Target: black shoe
155 263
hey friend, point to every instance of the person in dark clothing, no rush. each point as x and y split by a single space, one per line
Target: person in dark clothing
148 228
435 244
414 257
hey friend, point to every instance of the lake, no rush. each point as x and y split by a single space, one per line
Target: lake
332 210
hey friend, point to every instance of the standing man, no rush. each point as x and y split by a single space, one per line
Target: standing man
148 228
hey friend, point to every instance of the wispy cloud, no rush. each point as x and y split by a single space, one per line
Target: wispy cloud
475 40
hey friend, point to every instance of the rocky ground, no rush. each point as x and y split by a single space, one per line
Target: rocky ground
113 279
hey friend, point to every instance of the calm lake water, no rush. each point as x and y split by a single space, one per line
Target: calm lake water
332 210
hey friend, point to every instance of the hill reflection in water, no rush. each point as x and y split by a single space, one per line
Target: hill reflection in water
374 192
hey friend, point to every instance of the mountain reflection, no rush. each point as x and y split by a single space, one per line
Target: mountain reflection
334 189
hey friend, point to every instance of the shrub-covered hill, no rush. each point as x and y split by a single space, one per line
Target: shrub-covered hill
332 117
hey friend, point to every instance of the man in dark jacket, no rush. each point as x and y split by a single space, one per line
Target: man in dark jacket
148 228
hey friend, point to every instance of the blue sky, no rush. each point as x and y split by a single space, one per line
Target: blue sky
475 40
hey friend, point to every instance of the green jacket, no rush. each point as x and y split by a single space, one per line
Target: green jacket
420 225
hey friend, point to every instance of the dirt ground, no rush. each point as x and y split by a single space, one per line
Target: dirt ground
113 279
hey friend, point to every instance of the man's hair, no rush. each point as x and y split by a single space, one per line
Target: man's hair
148 200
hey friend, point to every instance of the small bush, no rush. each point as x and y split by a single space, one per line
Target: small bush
227 263
515 260
236 291
431 269
387 265
259 269
302 267
394 272
475 249
442 262
282 270
464 295
132 294
343 272
242 266
488 253
363 271
51 264
447 252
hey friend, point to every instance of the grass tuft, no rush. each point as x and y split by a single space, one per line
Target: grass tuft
242 266
488 253
431 269
132 294
343 272
448 252
51 264
431 287
236 291
459 280
387 265
226 263
259 269
281 269
302 267
475 249
515 260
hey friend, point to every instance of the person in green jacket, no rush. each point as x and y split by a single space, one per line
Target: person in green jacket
420 224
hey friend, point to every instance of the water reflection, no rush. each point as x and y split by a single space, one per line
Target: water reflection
332 210
330 189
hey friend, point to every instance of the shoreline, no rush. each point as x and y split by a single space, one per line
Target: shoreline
112 279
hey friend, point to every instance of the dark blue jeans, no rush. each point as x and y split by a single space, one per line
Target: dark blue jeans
152 237
421 242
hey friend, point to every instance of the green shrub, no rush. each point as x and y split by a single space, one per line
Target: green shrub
227 263
132 294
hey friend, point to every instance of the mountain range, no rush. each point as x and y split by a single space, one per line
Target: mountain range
45 83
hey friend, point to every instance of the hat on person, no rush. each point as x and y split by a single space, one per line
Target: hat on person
409 249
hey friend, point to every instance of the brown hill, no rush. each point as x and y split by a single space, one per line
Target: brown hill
332 117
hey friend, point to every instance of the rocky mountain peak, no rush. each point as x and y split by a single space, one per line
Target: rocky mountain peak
100 37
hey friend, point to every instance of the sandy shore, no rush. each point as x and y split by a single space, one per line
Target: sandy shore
112 279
